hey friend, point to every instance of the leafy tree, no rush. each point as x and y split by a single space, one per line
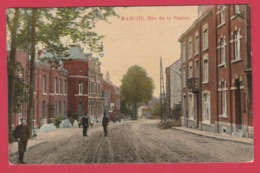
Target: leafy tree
136 88
21 87
157 110
46 27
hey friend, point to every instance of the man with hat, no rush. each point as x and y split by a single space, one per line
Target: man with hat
85 124
22 134
105 124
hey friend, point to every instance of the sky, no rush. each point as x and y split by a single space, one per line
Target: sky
140 36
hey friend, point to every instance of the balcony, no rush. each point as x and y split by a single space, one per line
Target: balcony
193 85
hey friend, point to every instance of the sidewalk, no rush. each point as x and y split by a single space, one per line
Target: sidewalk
216 135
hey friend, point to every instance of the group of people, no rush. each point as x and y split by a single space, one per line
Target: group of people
85 124
22 134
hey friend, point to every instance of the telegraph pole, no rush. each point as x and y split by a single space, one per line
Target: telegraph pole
162 93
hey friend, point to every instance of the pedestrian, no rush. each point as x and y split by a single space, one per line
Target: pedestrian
85 124
21 133
105 124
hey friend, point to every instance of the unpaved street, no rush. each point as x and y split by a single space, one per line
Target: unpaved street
133 142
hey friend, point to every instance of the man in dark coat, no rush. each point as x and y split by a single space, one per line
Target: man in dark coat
105 124
22 134
85 124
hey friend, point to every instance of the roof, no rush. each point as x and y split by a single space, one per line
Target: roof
195 23
76 52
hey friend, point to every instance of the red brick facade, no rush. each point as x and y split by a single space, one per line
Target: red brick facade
216 90
74 87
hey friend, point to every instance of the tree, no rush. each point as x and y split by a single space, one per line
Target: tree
13 26
136 88
156 111
47 27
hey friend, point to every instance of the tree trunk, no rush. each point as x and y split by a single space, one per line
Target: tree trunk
11 72
32 67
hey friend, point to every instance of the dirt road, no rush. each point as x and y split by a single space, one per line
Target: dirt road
133 142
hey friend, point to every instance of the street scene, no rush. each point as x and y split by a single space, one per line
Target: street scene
119 85
132 142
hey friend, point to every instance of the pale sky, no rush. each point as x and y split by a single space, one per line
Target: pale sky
143 42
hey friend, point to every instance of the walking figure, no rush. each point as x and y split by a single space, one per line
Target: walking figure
21 133
105 124
85 124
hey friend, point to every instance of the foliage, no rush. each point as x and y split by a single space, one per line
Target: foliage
57 120
124 109
156 111
136 88
165 125
75 115
176 113
54 26
20 89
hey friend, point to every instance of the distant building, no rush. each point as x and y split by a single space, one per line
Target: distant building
111 97
173 86
144 112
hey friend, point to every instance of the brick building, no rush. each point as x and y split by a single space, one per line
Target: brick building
50 97
95 98
111 95
75 86
216 71
77 65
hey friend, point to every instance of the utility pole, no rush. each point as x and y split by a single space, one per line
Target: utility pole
162 93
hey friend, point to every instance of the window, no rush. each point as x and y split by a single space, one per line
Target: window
191 106
190 49
88 87
184 106
237 9
197 69
205 71
60 108
222 51
56 107
43 109
184 53
237 45
224 98
184 77
56 85
60 86
80 88
197 45
65 86
65 108
190 72
206 107
222 14
96 88
205 39
44 84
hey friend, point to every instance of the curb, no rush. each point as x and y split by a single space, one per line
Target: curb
217 137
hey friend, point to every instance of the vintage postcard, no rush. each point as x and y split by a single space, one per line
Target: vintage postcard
122 87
